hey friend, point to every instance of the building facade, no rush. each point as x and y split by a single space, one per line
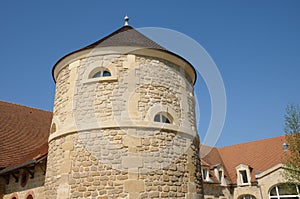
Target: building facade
252 170
123 126
123 122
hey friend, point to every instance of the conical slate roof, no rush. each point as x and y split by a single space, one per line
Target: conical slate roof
126 36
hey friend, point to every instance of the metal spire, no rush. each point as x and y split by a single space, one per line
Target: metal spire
126 19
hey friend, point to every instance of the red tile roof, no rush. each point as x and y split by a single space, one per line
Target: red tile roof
24 134
259 155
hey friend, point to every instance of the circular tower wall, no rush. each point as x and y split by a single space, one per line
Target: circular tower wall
123 126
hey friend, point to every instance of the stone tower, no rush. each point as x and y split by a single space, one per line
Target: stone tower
123 122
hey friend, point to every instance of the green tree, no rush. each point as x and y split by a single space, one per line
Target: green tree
292 135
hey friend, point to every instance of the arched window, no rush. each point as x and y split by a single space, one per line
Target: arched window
285 191
14 196
101 73
29 196
163 118
246 196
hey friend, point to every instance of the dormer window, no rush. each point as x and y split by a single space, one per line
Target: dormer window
163 118
101 73
204 174
220 176
246 196
243 176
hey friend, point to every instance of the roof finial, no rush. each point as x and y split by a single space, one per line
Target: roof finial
126 19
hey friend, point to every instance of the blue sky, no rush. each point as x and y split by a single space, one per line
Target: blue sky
255 45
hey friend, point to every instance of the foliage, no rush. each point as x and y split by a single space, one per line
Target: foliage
292 135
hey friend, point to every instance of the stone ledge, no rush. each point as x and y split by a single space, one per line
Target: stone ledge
124 124
100 79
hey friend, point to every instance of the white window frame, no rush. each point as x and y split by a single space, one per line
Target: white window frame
247 196
101 71
205 177
166 115
242 173
91 71
278 196
243 168
219 169
220 175
158 108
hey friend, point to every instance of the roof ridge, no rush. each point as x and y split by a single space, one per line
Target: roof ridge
226 169
244 143
121 29
151 43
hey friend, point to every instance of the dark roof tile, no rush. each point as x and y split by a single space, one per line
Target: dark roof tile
125 36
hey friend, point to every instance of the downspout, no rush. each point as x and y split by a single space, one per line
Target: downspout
231 190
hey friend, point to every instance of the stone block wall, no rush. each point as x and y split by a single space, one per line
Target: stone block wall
269 181
134 88
106 144
216 191
115 163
